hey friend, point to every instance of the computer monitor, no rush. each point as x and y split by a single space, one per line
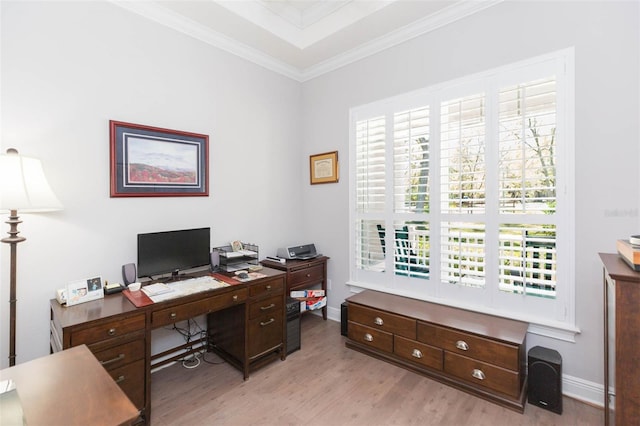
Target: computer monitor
173 251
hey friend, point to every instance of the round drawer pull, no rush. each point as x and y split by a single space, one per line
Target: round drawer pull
368 337
378 321
173 315
111 332
478 374
268 287
462 345
235 297
416 353
308 275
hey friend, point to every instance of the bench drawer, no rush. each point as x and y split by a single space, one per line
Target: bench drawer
384 321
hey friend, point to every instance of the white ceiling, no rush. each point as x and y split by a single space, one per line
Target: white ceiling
303 39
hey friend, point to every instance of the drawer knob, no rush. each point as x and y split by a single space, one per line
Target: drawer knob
112 360
173 315
262 324
378 321
478 374
235 297
268 287
308 275
120 379
462 345
368 337
416 353
111 332
264 308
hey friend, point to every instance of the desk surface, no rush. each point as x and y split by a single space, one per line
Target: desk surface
69 388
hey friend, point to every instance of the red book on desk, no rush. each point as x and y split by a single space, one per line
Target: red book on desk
138 298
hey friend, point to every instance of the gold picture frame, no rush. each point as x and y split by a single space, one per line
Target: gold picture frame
324 167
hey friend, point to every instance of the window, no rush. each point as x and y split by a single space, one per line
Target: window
462 193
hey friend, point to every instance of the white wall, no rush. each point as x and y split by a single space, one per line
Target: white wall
607 45
70 67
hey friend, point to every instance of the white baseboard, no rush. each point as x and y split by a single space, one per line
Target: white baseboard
583 390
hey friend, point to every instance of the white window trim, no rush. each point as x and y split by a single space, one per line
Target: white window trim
556 327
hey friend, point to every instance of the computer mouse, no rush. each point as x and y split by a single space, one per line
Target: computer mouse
243 275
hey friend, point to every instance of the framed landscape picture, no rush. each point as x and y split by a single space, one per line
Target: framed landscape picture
153 162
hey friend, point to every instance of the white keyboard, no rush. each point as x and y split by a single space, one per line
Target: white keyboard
196 285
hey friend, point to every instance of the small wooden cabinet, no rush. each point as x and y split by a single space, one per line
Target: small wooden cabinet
621 336
480 354
303 274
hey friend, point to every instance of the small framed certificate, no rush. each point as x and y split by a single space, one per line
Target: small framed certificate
324 167
84 290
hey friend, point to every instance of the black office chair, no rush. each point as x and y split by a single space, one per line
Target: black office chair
406 260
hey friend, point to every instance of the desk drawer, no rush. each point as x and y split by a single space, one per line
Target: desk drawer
482 374
421 353
369 336
120 355
380 320
264 288
108 330
265 333
312 275
130 378
179 313
265 306
496 353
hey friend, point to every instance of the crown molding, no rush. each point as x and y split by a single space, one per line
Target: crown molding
198 31
422 26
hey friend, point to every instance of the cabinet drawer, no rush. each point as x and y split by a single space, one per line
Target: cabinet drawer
108 330
265 333
482 374
496 353
275 286
130 378
369 336
312 275
421 353
120 355
189 310
265 306
380 320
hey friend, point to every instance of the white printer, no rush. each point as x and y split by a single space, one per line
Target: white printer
303 252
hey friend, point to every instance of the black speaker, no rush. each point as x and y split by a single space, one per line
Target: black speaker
545 378
344 319
214 259
129 273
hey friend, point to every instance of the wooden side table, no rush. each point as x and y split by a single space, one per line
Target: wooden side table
302 274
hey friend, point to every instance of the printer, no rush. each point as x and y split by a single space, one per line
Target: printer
303 252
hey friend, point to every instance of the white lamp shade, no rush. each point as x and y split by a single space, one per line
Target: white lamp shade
23 185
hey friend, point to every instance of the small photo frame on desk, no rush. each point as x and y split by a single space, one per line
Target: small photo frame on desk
324 167
84 290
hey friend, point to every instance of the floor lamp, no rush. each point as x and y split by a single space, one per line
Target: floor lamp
24 188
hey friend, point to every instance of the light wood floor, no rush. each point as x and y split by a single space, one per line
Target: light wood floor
325 383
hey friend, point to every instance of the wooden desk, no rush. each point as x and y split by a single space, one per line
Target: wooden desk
245 326
69 388
303 274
